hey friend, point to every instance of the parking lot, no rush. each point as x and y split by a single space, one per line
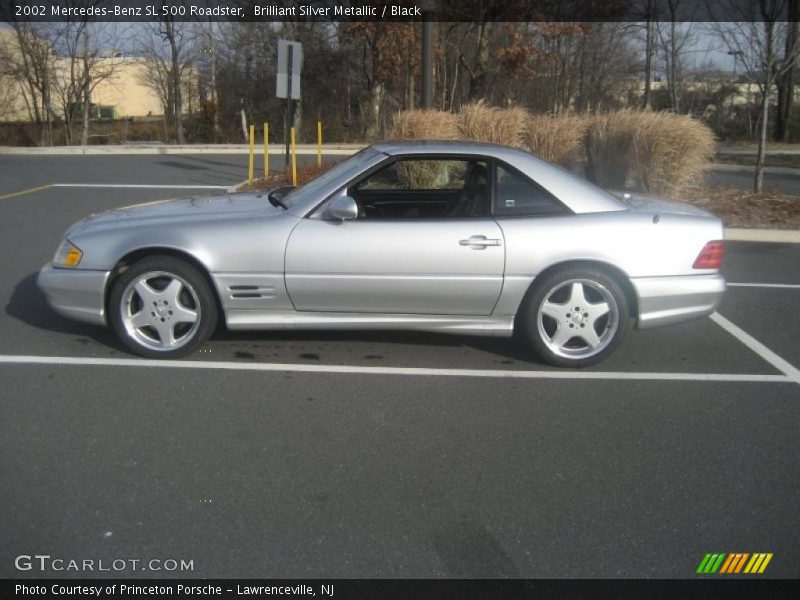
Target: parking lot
293 454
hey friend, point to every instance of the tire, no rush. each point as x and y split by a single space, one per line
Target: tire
162 307
563 336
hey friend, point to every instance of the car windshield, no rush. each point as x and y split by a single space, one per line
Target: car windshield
344 170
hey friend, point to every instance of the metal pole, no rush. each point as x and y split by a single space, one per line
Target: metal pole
294 161
266 150
288 99
319 143
427 60
252 153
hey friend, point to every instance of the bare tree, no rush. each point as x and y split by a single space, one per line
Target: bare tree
786 80
31 63
87 57
674 38
647 18
169 48
754 41
382 48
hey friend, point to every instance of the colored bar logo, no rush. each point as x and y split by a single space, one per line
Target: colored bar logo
734 563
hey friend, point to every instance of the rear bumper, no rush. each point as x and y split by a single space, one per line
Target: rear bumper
668 300
75 293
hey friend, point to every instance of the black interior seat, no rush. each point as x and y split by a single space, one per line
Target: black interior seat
473 201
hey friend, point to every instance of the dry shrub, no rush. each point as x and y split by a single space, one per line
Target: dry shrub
671 151
659 152
420 174
484 123
424 124
430 174
557 139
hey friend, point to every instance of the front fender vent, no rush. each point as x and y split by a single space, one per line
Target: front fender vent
251 291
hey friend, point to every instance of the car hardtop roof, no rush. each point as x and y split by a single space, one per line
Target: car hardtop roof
394 147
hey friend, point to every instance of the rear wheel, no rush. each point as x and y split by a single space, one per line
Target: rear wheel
574 316
162 307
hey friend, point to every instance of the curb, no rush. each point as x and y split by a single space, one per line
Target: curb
779 236
275 149
735 151
749 169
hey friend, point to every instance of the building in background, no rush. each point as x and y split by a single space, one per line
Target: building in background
123 95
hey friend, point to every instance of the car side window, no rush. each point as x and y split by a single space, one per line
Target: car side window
417 175
425 188
516 195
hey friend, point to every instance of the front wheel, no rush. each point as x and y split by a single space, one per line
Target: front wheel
162 307
574 317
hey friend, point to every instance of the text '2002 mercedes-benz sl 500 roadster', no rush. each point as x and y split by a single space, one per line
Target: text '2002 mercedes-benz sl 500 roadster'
456 237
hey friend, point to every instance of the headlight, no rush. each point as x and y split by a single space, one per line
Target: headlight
67 255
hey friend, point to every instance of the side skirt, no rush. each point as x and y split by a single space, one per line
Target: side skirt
501 326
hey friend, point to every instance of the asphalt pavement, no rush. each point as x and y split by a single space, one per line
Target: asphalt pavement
303 471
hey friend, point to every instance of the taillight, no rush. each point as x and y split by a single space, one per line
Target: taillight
710 256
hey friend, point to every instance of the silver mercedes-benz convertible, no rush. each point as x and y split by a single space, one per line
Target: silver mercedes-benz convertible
455 237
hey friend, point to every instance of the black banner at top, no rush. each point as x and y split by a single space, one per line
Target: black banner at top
394 10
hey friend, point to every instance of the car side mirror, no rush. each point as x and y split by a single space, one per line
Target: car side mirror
342 208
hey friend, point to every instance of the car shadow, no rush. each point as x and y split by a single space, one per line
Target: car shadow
510 349
28 305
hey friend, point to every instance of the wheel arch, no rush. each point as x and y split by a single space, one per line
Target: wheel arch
138 254
609 269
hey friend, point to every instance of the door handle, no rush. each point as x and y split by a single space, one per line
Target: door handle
479 242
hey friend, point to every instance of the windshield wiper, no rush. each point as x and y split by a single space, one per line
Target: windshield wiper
275 201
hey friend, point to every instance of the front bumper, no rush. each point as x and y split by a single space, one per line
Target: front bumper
668 300
75 293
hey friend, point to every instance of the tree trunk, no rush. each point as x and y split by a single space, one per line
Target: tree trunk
650 42
175 81
674 98
786 81
758 182
214 95
478 74
377 93
85 119
178 96
87 96
245 133
48 111
769 60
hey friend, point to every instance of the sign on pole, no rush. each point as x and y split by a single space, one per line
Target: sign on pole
290 59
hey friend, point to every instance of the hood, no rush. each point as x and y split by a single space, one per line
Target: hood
646 204
244 205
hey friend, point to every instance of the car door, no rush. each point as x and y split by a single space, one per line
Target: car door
399 260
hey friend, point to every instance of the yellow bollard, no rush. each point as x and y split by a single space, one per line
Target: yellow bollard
319 143
294 161
266 150
252 153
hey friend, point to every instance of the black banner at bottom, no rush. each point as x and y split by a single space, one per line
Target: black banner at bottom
390 589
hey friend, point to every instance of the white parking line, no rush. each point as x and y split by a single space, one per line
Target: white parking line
360 370
142 186
788 286
748 340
